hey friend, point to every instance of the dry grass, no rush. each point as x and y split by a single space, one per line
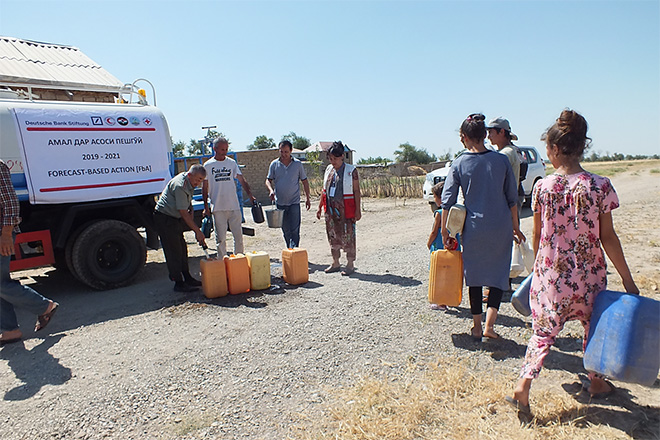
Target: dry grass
450 401
610 169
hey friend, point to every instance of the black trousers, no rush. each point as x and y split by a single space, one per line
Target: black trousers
494 298
170 230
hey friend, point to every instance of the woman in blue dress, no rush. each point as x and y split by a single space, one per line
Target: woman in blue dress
491 221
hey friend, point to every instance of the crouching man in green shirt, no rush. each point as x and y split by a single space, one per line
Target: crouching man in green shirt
173 216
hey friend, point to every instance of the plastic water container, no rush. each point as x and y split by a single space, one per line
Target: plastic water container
238 274
520 298
624 337
294 266
446 278
456 219
259 264
214 278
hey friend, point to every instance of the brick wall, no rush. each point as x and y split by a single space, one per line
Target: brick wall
254 166
255 169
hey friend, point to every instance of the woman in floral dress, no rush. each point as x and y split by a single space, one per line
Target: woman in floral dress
572 218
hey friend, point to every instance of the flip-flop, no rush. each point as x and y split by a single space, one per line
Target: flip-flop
347 272
586 383
476 338
523 409
492 337
438 307
43 320
332 269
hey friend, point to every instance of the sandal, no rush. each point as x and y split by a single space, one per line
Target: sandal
332 269
492 337
43 320
475 337
586 384
348 271
438 307
522 409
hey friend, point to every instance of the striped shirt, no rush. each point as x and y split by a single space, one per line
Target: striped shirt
10 209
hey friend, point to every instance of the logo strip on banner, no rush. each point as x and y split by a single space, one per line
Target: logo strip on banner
88 129
100 185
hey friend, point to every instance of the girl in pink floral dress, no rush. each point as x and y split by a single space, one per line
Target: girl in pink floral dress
572 218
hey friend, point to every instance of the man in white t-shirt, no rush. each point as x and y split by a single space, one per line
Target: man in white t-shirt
220 188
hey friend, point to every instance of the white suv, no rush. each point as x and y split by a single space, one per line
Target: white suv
535 172
435 176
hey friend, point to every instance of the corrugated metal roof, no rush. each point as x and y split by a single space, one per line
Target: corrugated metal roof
54 65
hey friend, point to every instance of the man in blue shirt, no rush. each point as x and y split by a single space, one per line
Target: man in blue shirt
284 175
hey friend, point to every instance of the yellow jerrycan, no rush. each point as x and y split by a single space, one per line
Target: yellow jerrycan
238 274
259 264
294 266
446 278
214 278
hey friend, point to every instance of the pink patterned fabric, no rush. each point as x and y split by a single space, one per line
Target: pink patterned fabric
570 267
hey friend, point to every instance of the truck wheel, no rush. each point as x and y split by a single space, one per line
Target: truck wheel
108 254
68 251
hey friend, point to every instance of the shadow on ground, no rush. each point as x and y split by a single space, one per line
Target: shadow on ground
23 363
503 348
151 291
618 411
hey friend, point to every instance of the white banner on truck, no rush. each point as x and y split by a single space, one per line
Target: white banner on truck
72 155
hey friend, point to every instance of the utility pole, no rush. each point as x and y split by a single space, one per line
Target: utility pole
207 142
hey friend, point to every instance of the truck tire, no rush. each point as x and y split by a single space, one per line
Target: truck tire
108 254
68 251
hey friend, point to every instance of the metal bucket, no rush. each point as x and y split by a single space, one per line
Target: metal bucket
274 217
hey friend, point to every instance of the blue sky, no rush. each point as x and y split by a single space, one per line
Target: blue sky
374 74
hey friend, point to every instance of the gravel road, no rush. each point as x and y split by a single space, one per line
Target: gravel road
144 362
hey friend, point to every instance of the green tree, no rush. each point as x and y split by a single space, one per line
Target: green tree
178 148
262 142
374 160
298 142
195 147
410 153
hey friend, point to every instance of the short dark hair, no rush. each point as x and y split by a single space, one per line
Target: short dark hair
286 143
506 132
474 127
337 149
437 188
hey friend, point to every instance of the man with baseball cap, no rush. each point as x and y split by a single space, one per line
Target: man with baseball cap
500 135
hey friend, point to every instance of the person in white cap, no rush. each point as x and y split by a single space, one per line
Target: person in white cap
500 136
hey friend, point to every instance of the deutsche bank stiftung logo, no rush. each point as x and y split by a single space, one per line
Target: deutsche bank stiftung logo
97 120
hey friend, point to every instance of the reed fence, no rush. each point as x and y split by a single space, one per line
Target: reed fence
380 186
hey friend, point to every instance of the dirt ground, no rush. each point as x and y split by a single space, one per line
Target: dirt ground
146 362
